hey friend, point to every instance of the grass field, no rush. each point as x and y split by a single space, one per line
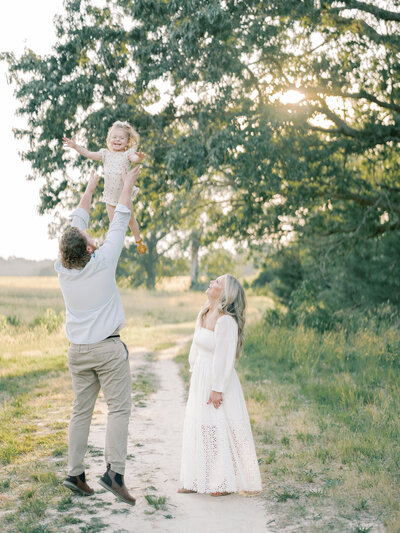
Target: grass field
325 416
35 389
324 409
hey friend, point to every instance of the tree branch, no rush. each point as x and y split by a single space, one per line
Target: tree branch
384 228
341 124
378 12
315 91
325 130
361 28
368 201
392 135
371 98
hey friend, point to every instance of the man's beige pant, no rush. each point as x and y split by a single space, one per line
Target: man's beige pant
102 365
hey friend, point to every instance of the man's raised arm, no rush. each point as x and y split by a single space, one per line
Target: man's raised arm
129 178
86 200
80 217
114 242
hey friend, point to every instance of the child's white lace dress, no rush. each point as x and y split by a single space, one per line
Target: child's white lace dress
218 452
114 163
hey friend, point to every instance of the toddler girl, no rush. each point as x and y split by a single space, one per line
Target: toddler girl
122 140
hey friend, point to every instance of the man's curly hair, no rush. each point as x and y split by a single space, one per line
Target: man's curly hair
73 253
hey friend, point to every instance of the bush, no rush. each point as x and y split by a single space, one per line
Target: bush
3 322
13 320
282 272
274 317
50 320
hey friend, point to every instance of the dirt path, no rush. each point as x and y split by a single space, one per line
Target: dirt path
153 467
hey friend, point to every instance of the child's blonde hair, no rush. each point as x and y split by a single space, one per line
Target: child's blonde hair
133 136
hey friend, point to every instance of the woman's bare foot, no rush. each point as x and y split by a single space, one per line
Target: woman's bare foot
220 493
185 491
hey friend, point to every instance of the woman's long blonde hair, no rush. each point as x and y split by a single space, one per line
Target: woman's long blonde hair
232 302
133 136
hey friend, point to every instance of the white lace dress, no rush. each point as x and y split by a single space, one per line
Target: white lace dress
218 452
114 163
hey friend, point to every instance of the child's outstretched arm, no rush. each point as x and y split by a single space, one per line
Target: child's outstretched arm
70 143
137 157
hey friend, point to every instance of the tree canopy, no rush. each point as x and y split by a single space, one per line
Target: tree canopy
288 113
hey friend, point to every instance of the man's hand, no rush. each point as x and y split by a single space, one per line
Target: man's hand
92 183
129 177
86 200
215 398
69 143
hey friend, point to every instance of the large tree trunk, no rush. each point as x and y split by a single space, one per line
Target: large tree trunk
194 259
151 261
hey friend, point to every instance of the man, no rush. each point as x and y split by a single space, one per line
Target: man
97 358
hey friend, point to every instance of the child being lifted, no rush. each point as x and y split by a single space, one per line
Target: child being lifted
122 141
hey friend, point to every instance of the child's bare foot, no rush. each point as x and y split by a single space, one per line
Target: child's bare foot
220 493
186 491
142 248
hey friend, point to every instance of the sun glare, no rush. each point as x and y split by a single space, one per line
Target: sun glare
291 97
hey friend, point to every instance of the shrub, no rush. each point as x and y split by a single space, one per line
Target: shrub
13 320
49 319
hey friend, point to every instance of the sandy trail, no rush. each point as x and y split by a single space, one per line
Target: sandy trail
153 464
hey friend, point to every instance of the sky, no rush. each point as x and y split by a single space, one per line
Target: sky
23 231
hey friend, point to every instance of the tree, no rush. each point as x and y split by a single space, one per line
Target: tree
80 89
218 262
232 59
324 168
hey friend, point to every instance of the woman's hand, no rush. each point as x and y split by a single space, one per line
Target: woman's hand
69 143
215 398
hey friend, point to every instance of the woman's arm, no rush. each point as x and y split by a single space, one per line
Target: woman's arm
226 337
70 143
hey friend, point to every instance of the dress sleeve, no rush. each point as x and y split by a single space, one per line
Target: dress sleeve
193 349
226 337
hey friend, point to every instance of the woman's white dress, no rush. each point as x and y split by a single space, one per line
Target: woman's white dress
218 449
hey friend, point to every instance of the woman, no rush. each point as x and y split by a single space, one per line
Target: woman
218 455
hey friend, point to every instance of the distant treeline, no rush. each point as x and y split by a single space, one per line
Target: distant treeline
17 266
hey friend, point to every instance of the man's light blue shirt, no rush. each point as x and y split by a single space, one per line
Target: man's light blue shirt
93 307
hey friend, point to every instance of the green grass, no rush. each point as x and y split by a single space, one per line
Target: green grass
143 384
94 526
158 502
286 494
328 404
324 412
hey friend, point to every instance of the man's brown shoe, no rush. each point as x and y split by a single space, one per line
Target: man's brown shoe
114 482
78 484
